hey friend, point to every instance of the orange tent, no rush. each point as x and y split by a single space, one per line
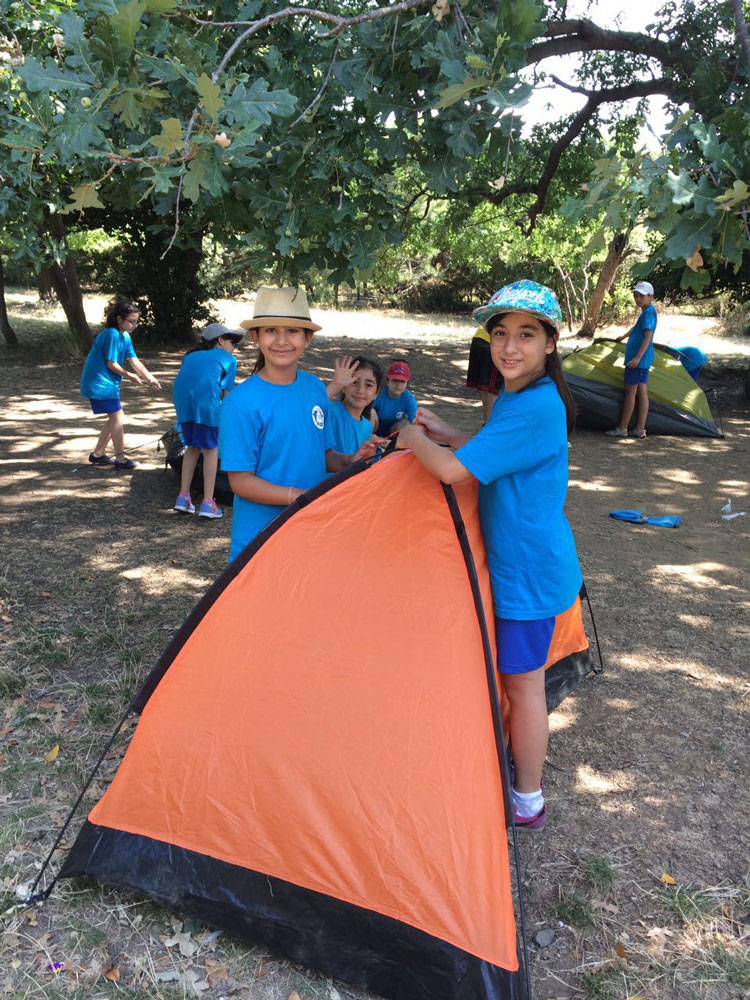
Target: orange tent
319 764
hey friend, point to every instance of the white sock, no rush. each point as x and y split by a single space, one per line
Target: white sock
528 803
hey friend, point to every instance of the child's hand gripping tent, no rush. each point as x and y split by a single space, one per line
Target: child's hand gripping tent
318 764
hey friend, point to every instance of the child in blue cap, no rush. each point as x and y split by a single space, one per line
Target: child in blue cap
520 458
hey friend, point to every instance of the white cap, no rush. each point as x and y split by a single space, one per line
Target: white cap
644 287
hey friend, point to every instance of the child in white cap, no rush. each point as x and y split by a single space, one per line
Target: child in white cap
639 356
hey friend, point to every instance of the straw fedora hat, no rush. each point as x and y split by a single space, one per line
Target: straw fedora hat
280 307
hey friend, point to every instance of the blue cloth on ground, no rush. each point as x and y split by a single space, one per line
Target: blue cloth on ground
391 410
280 433
637 517
646 321
97 381
520 458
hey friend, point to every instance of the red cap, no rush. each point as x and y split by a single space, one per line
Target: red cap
399 370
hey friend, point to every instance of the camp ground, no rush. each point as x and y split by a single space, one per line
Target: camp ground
641 757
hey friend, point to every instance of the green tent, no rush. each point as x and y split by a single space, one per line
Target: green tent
678 405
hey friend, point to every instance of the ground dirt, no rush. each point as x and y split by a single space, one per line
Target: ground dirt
642 873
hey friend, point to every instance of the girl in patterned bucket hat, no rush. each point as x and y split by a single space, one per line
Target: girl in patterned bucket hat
520 458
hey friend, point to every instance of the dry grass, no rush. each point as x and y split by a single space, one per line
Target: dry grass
97 574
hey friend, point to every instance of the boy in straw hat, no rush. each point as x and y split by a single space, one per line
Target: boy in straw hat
274 440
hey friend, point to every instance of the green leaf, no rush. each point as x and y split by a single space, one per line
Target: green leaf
191 185
261 103
696 281
159 6
81 197
46 77
458 91
127 21
681 186
210 95
733 196
170 138
128 107
692 231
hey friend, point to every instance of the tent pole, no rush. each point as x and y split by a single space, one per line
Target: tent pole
497 721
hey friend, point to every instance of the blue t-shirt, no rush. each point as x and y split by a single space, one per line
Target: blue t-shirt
202 378
280 433
97 381
390 410
520 458
347 433
646 321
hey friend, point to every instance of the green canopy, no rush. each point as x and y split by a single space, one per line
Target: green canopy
677 405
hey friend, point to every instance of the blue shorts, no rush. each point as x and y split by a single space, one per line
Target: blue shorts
523 646
636 376
199 435
106 405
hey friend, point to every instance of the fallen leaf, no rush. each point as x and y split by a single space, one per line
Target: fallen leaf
53 754
667 879
187 947
170 976
620 950
294 995
598 904
217 972
113 974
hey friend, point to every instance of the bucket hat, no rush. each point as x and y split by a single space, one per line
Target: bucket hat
280 307
524 297
215 330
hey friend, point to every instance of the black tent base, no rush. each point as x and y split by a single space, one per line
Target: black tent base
358 946
563 677
175 451
598 408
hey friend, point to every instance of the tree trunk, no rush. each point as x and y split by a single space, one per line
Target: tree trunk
615 254
44 286
64 278
8 332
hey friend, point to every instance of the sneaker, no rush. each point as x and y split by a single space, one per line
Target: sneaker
209 508
125 463
184 503
537 822
638 434
99 459
616 432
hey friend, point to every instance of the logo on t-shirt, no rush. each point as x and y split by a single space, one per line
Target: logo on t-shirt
400 415
318 418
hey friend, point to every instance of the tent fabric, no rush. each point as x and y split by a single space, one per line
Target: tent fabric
318 765
677 405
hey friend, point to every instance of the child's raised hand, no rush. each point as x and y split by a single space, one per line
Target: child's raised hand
343 374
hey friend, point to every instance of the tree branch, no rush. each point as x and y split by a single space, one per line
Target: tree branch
641 88
564 37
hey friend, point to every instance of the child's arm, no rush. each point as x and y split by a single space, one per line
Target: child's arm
251 487
119 370
441 462
343 375
338 460
648 336
440 430
143 371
